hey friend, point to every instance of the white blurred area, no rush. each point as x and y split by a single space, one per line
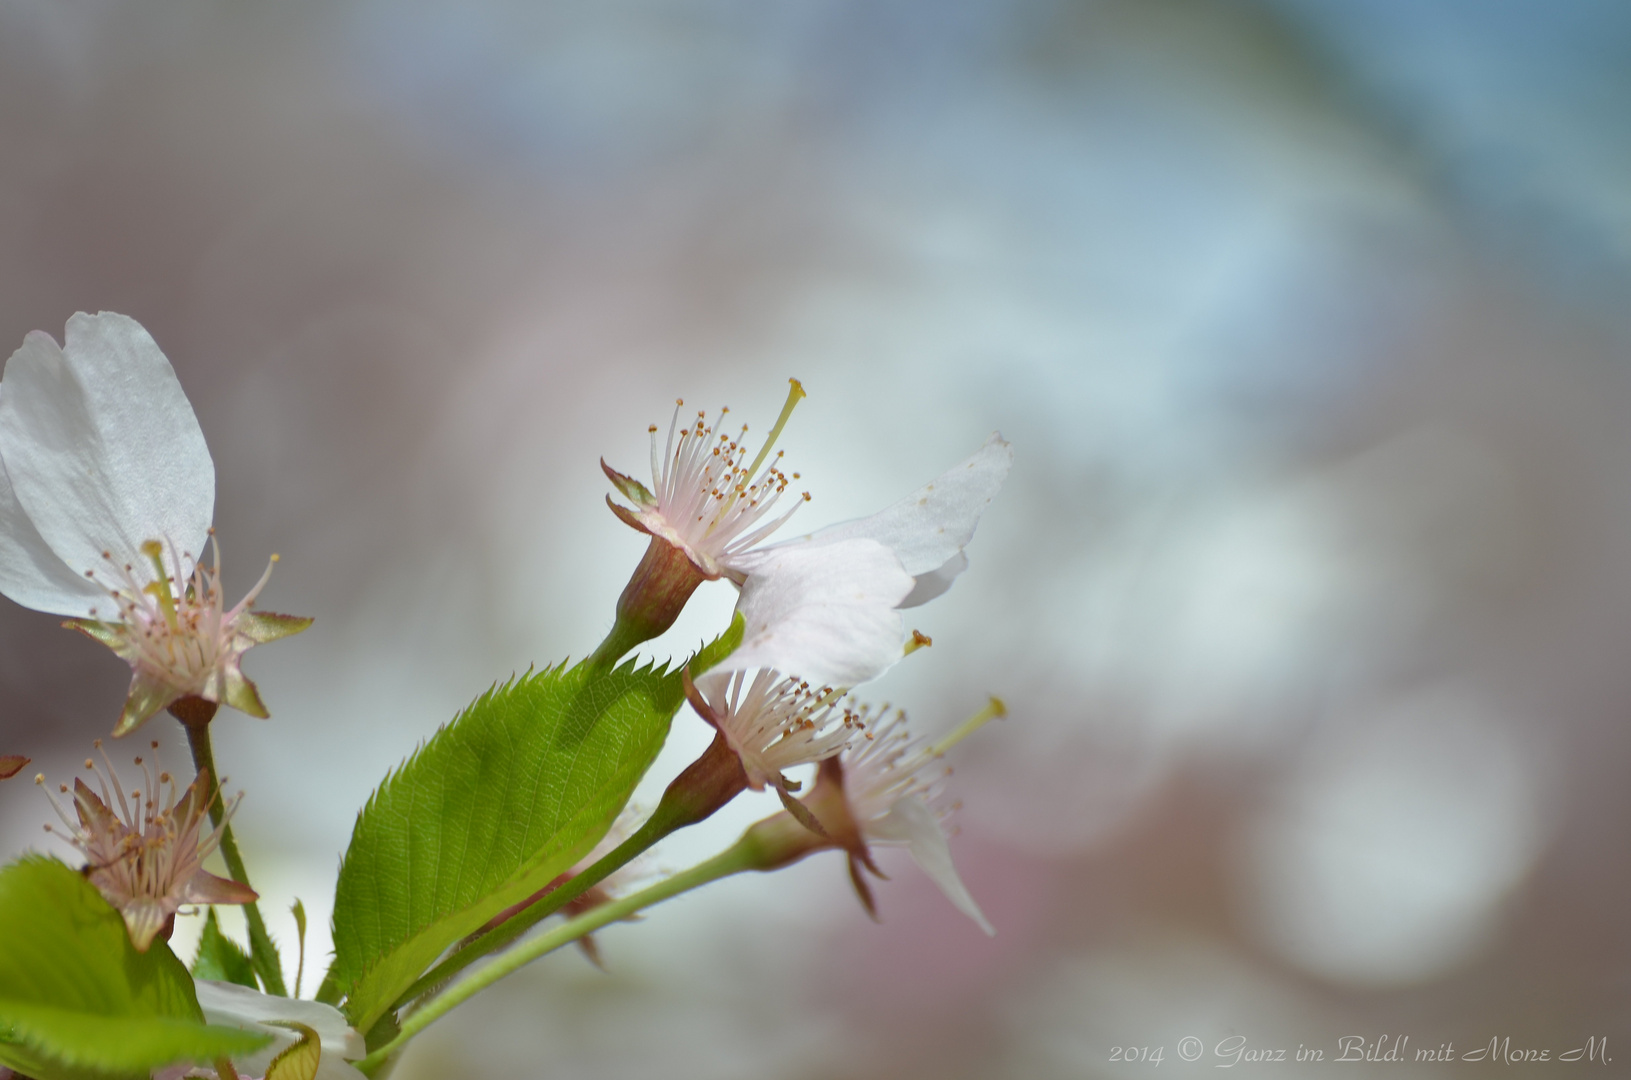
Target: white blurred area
1309 595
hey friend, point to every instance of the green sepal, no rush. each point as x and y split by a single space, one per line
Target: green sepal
109 634
242 694
145 698
220 958
632 489
263 626
77 1001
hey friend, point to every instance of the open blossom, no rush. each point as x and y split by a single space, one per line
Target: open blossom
703 499
145 849
289 1021
106 498
886 789
773 723
827 604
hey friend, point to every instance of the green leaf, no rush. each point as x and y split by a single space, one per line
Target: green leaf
77 1001
490 810
220 958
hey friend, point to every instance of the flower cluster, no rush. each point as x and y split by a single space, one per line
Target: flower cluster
822 614
107 494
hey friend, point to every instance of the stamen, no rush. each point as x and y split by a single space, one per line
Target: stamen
795 393
993 709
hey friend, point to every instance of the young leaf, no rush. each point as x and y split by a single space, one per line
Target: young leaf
77 1000
220 958
491 809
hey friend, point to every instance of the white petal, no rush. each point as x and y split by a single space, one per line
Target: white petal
101 445
30 572
823 612
935 582
241 1007
911 822
929 528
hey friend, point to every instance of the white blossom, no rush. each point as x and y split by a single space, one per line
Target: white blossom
107 490
892 788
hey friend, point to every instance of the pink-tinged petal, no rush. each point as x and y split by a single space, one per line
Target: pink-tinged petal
30 572
101 444
823 612
911 822
206 888
95 816
11 765
928 529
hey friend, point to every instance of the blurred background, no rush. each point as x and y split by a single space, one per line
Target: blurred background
1310 592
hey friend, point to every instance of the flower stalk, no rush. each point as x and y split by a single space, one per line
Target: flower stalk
195 715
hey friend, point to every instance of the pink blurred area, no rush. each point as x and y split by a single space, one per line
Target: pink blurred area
1309 595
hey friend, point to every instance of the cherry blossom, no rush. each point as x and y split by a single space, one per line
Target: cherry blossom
106 495
145 849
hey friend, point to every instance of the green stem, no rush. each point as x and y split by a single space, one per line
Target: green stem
262 953
744 855
620 640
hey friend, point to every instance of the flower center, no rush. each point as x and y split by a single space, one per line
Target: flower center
709 500
775 724
175 628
